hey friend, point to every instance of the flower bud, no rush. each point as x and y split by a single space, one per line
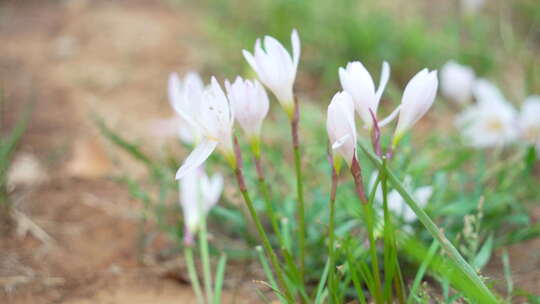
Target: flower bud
356 80
250 105
341 127
276 68
457 82
417 98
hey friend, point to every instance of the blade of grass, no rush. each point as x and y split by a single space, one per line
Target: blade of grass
421 271
508 276
356 280
268 272
320 288
220 273
486 295
190 262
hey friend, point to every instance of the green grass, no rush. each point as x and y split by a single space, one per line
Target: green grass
8 145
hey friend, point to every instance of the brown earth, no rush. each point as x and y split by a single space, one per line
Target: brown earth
74 58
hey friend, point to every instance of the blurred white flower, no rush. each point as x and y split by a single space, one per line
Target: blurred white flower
249 103
213 116
276 68
397 204
356 80
341 127
484 89
457 82
184 96
417 98
529 119
198 194
491 121
471 7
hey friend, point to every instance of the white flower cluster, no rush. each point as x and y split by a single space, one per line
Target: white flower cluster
492 120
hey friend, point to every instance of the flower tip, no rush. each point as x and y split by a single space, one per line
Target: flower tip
180 174
295 37
227 85
174 76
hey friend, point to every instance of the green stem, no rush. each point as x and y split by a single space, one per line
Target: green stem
267 246
390 246
452 252
207 275
373 252
263 188
237 167
387 239
188 253
299 187
331 275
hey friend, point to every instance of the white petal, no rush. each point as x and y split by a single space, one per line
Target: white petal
423 194
417 98
251 60
485 91
338 143
390 117
341 127
357 81
211 190
295 41
197 157
174 90
385 75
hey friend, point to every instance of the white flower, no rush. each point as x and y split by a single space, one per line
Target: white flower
198 194
356 80
417 98
341 127
472 6
457 82
529 119
215 119
249 103
397 204
483 89
184 98
491 121
276 68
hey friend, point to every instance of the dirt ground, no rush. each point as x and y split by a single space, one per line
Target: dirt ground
74 58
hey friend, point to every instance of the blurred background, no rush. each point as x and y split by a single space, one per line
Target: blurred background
66 62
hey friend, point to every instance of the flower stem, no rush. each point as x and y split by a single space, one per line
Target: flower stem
263 188
265 241
188 253
373 252
367 208
390 247
331 275
207 275
299 187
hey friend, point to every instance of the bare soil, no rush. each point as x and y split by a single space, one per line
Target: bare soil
74 59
